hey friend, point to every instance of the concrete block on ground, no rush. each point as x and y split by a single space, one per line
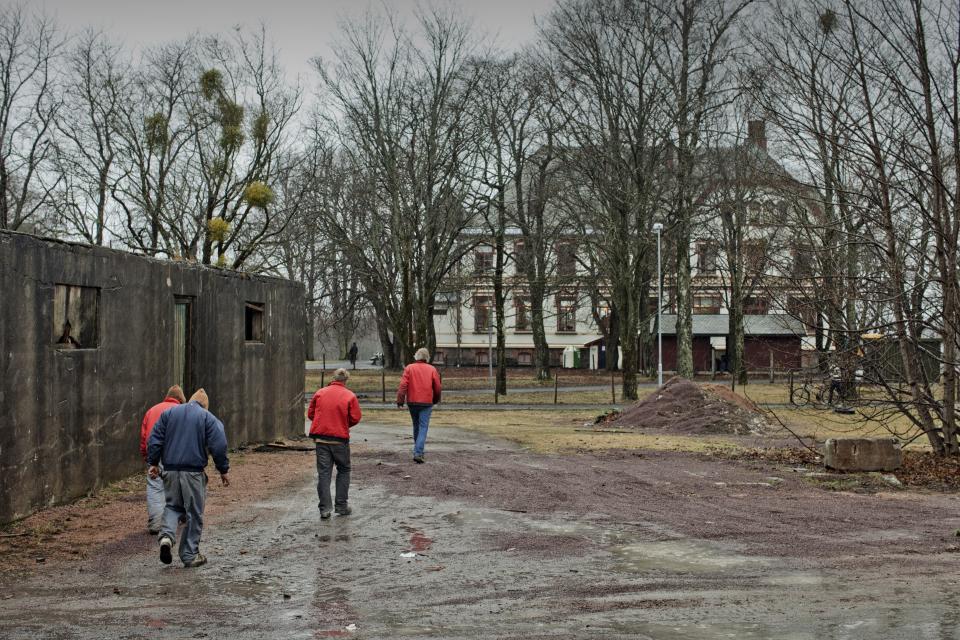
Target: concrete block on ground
862 454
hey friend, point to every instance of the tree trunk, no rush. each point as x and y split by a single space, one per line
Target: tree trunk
612 341
735 331
684 328
309 353
500 301
541 350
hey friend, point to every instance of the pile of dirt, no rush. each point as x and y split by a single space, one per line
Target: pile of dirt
685 407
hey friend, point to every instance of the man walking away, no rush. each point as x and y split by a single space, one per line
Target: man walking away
155 499
333 411
420 390
353 355
180 441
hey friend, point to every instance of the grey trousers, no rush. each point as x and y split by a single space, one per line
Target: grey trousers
186 493
328 456
156 502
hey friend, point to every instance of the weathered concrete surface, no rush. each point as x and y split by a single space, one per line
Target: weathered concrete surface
862 454
70 418
480 571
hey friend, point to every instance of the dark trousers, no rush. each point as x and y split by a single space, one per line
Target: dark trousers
329 455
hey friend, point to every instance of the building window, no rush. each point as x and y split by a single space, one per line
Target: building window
802 310
75 317
521 255
755 256
481 357
566 259
524 358
482 260
439 357
703 305
706 257
481 314
802 265
566 315
253 322
602 314
522 320
756 305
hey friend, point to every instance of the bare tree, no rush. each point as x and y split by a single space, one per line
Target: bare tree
520 164
156 134
401 104
29 49
87 137
695 62
605 61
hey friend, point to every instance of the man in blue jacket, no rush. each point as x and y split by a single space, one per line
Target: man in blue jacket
181 439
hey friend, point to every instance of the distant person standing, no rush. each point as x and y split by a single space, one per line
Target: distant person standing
420 390
180 441
352 354
155 497
333 411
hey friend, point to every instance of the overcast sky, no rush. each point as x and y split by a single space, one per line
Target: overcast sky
302 29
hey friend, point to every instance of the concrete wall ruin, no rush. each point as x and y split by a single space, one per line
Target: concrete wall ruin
71 405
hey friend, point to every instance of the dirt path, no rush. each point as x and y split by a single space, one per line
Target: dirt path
514 545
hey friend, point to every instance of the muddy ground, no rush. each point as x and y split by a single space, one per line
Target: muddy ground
509 544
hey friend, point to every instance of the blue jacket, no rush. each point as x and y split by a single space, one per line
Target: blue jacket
182 436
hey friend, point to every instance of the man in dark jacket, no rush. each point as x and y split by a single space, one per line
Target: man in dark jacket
333 411
352 354
180 441
420 390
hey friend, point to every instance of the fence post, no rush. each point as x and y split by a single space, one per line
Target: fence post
383 384
556 385
771 366
613 389
790 379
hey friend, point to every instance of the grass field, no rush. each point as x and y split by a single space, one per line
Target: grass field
551 431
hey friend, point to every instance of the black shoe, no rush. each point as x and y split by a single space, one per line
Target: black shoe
324 515
165 556
343 511
418 459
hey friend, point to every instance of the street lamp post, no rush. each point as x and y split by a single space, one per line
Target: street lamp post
658 228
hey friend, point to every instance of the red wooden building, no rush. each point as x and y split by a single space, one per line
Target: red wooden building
771 336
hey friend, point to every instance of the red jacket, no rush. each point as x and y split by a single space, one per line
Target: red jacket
150 419
420 384
333 410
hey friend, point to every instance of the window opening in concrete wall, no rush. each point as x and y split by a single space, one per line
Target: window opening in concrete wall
75 317
253 322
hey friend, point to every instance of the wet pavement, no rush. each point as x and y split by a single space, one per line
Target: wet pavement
409 566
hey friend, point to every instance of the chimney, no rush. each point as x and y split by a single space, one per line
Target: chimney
757 134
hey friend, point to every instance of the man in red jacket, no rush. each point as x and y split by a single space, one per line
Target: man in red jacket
333 411
155 496
420 390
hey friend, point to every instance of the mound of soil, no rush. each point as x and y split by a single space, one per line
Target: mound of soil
683 406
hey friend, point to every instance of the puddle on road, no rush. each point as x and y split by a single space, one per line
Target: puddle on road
682 556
